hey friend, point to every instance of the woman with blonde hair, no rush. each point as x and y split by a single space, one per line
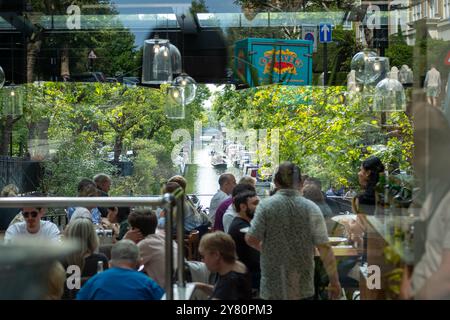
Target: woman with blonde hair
55 282
86 257
219 254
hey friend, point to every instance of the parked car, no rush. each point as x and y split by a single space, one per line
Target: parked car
130 81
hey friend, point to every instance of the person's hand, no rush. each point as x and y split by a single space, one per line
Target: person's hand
134 235
106 224
334 291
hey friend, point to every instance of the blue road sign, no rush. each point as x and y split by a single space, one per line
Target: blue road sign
325 34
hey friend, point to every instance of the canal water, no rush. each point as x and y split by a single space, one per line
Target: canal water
202 178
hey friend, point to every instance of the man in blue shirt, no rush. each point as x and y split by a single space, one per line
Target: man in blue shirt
121 281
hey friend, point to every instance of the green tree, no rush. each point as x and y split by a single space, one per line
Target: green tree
75 159
322 130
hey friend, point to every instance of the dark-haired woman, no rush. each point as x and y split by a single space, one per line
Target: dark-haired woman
117 220
363 204
368 177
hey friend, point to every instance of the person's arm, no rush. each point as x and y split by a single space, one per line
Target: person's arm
255 235
9 234
438 285
206 288
253 242
329 262
54 233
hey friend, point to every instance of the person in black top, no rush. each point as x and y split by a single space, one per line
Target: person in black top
219 254
82 230
245 204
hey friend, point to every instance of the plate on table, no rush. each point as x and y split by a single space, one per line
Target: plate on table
336 240
344 217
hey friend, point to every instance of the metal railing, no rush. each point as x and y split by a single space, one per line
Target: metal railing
172 203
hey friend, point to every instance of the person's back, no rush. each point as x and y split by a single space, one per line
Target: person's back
232 286
120 284
153 252
289 226
121 281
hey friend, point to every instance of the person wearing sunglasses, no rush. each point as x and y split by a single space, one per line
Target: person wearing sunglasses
32 226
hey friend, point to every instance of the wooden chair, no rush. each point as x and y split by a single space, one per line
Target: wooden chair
191 243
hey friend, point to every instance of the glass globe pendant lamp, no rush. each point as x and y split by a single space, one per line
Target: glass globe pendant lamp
157 64
363 64
389 96
187 87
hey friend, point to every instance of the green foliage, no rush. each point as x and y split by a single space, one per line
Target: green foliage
399 53
322 129
87 120
152 167
74 160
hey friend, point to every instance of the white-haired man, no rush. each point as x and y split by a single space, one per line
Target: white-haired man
122 281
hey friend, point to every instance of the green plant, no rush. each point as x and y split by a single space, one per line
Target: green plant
74 160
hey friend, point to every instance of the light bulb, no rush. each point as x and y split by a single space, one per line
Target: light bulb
188 85
175 94
156 48
13 93
377 66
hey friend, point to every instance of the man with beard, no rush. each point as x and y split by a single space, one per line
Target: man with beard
245 204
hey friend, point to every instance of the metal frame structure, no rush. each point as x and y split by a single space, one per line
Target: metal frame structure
172 203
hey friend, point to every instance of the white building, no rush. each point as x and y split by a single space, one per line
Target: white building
434 13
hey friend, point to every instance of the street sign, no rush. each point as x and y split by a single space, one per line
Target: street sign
309 32
325 34
92 55
447 59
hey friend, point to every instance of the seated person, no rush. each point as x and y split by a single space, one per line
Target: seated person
117 220
219 254
87 188
151 245
33 227
86 257
313 193
103 183
122 281
193 219
56 280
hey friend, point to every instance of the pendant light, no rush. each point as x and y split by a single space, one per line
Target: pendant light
366 70
187 87
156 64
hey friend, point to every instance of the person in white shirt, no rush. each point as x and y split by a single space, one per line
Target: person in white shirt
32 227
433 85
227 182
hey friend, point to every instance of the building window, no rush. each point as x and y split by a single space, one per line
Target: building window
446 8
432 6
417 12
